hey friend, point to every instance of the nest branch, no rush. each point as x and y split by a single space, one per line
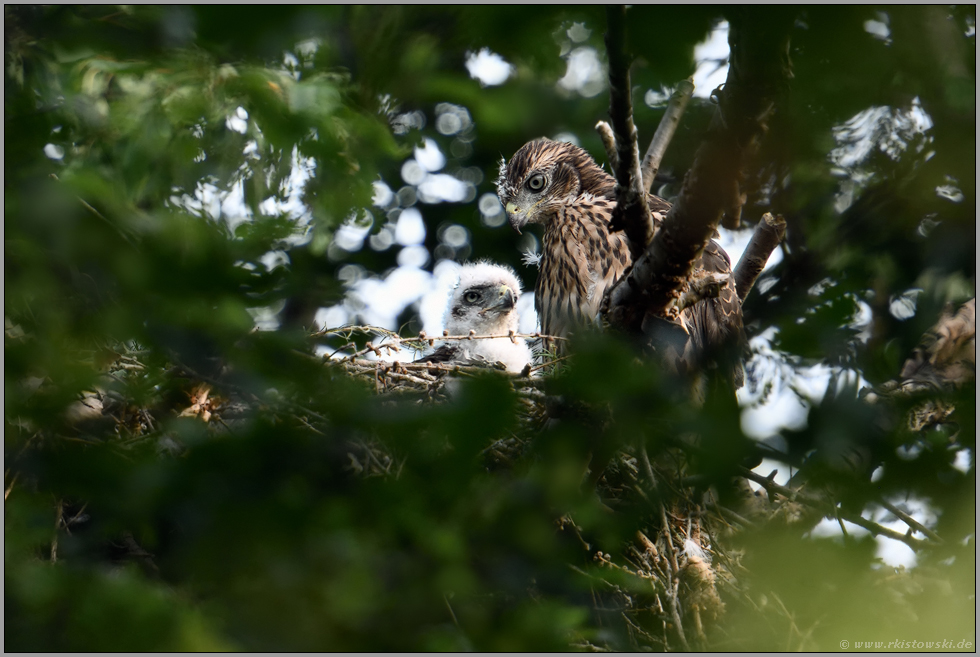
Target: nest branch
418 343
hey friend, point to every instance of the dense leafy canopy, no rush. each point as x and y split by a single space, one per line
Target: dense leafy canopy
175 175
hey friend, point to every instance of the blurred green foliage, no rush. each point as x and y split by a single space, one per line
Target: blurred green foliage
259 534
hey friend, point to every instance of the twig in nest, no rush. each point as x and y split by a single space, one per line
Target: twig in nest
767 236
474 336
675 614
647 466
745 522
376 350
418 343
370 365
349 331
550 362
665 132
673 580
339 349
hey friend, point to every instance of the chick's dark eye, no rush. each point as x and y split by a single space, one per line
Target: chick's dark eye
536 182
471 297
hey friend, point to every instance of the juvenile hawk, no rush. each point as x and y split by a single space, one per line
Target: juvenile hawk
485 302
559 185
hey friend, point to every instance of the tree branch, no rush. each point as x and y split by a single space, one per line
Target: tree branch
632 213
759 70
767 236
910 521
665 132
829 509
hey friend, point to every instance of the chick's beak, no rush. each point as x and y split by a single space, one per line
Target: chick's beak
506 300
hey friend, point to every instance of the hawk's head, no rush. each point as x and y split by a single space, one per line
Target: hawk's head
545 174
485 301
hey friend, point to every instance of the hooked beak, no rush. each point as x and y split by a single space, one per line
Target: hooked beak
506 300
517 217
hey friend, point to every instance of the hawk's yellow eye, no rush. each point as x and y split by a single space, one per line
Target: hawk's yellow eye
471 297
536 182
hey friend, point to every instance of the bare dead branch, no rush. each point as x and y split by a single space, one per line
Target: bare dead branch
631 214
767 236
665 132
609 143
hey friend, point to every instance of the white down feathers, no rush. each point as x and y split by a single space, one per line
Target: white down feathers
484 301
